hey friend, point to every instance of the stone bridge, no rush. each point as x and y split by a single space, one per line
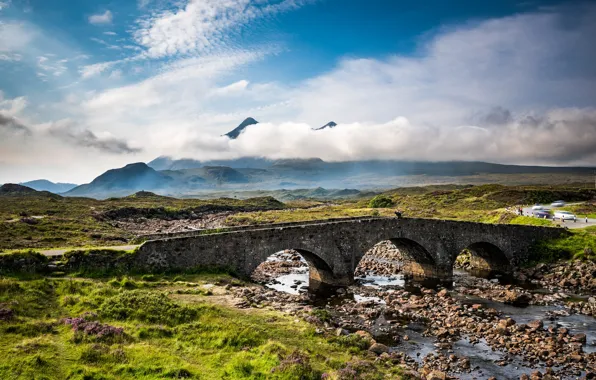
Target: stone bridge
334 248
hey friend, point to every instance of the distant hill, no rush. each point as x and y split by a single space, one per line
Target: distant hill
45 185
14 190
124 181
239 129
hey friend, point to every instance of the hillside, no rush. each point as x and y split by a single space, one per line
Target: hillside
45 185
14 190
126 180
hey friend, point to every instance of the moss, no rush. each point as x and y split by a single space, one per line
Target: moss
27 262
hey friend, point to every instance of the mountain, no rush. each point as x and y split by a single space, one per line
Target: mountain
331 124
239 129
45 185
14 190
123 181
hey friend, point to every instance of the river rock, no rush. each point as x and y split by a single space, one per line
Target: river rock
436 375
378 348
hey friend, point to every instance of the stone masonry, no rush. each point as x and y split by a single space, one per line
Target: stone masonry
333 249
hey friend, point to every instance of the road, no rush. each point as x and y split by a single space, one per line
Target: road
60 252
581 221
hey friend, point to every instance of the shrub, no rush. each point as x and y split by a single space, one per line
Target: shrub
94 331
381 201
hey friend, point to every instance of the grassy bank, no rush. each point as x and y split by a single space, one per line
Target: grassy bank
158 327
576 246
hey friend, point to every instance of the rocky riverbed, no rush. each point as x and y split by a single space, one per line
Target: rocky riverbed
541 326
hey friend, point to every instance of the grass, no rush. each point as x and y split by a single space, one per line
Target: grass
84 222
572 246
148 330
45 222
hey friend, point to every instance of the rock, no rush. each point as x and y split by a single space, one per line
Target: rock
501 330
477 306
436 375
535 325
340 332
516 298
580 338
378 348
366 336
443 293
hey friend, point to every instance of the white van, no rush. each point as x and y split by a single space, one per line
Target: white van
564 215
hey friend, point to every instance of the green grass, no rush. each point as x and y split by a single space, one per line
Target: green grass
568 247
530 221
78 222
166 334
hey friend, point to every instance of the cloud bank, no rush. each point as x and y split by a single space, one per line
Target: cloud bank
562 136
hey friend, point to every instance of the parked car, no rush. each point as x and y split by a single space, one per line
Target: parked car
558 204
564 215
544 214
538 207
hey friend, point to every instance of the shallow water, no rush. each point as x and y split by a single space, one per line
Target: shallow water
483 359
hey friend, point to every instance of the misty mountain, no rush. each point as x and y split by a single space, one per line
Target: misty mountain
45 185
126 180
331 124
239 129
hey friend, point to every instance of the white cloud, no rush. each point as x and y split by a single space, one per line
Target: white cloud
4 4
103 18
95 69
236 88
10 57
110 33
559 136
116 74
203 25
14 36
52 66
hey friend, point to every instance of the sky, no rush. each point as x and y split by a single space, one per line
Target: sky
88 86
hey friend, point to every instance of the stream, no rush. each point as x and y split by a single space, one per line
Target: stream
483 359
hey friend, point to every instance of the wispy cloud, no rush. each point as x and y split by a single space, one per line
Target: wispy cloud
11 57
203 25
102 18
69 133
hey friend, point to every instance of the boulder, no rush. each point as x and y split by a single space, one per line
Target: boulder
378 348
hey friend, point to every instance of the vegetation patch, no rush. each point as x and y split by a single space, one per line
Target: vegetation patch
578 244
29 262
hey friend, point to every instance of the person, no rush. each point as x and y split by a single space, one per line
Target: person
586 219
398 214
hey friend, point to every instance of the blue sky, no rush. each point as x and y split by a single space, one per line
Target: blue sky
91 85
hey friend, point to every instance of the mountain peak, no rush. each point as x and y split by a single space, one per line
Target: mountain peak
331 124
239 129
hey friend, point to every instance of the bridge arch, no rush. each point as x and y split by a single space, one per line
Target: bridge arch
320 273
418 262
488 258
